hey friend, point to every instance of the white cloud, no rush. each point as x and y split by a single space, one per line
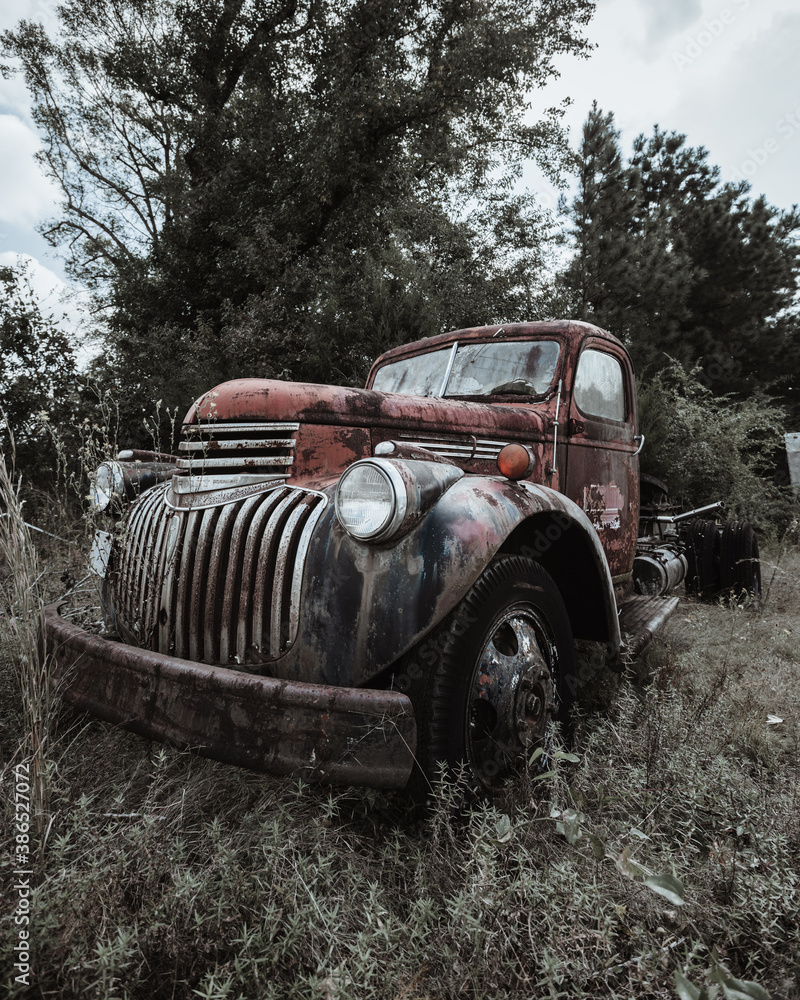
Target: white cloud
750 113
666 17
26 195
722 71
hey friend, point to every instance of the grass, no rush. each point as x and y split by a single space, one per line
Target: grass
671 845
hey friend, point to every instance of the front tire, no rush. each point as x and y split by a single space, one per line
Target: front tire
497 673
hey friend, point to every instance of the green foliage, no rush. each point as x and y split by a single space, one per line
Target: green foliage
707 447
279 188
37 376
679 265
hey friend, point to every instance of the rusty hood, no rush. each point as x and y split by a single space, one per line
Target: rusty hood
273 400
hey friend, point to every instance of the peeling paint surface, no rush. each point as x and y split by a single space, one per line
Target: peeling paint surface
603 505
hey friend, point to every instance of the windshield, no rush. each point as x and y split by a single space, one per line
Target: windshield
519 368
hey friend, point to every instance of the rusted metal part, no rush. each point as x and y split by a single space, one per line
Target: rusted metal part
364 605
322 406
219 584
640 618
223 447
657 568
408 451
602 466
710 510
317 732
472 453
200 499
139 476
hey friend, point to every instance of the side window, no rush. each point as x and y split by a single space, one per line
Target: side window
600 386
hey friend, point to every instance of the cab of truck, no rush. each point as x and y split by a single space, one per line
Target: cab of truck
576 384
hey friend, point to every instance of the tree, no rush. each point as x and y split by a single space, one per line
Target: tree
37 374
281 187
602 275
682 266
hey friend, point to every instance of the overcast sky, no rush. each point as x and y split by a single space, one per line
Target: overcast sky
724 72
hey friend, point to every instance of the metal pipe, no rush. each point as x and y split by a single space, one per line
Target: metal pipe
553 469
712 508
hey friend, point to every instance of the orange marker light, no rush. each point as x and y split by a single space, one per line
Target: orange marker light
515 461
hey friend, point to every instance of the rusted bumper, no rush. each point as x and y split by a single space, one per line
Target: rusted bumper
318 732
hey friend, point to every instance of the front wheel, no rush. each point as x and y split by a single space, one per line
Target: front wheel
490 681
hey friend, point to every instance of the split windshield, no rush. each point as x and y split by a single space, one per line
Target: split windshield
518 368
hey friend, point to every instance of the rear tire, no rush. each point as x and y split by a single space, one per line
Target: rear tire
702 554
740 567
497 673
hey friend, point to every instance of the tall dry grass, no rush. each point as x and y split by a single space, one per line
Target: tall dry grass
662 863
23 627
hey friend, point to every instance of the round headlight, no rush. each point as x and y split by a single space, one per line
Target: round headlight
107 483
370 500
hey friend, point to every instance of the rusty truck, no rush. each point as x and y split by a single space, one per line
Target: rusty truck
356 585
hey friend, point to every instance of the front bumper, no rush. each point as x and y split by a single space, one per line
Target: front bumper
351 736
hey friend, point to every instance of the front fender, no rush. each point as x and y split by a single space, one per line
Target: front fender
364 605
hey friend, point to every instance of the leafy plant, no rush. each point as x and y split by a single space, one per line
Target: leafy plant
707 447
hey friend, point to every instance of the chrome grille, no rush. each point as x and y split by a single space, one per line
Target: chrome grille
221 448
220 584
463 446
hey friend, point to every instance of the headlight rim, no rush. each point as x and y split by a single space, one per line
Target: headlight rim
400 497
115 487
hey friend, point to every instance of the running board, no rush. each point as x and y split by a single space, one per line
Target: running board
639 620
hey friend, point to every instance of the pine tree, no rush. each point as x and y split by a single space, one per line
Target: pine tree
602 273
682 266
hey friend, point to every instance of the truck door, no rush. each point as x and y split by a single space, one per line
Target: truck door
602 470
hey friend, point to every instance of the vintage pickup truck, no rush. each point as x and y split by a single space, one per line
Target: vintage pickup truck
353 585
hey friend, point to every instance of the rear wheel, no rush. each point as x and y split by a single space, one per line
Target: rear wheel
496 678
740 567
702 552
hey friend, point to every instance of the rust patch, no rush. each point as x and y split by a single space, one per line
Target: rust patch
603 505
319 732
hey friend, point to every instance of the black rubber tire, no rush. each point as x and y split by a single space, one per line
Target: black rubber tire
740 567
702 577
709 566
441 671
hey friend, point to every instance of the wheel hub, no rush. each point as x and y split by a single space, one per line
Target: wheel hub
512 696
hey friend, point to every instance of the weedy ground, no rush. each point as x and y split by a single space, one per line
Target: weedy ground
671 844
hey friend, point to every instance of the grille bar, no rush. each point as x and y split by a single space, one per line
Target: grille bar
195 465
483 449
215 428
214 447
235 444
217 585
